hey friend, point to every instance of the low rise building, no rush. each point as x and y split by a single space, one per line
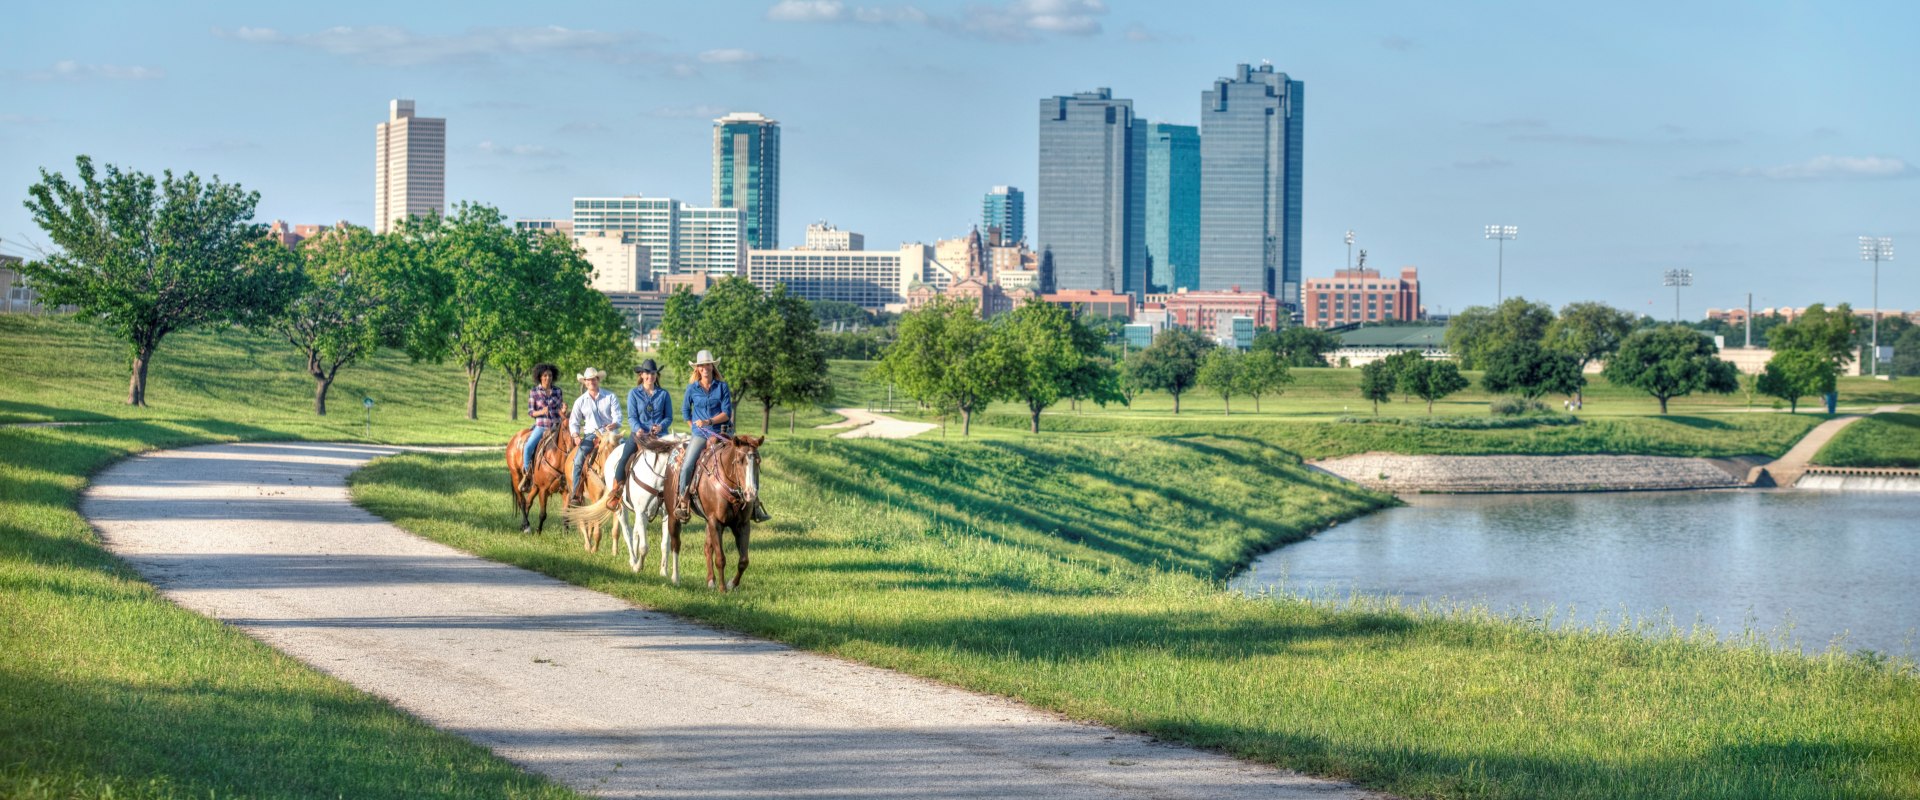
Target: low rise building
1356 296
871 279
1364 346
1202 310
823 236
620 262
1097 302
563 227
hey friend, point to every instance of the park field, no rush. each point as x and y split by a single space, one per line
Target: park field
1882 440
1081 572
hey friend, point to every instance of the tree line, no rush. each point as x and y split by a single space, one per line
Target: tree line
147 257
769 344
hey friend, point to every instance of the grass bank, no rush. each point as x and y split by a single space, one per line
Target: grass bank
1882 440
1083 575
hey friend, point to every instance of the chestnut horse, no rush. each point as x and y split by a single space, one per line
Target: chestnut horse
549 472
727 484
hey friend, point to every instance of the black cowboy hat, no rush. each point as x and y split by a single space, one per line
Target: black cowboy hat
647 366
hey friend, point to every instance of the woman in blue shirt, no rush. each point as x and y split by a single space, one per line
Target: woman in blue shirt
707 406
649 414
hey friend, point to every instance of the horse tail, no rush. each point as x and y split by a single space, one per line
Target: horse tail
591 515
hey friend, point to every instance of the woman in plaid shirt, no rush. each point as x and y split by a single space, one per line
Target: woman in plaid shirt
547 408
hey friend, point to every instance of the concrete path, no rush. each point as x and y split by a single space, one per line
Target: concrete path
1788 468
614 700
868 425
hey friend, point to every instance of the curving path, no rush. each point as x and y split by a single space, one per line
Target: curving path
614 700
1787 469
869 425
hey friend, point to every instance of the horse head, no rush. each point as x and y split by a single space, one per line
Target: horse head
744 458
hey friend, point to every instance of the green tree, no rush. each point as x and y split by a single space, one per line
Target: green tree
1220 371
1172 363
1262 373
1399 363
799 375
1298 346
1529 370
945 356
1377 381
1049 355
1589 332
465 287
1671 361
347 304
1474 334
1793 374
679 323
1432 380
146 258
1906 353
556 315
1827 332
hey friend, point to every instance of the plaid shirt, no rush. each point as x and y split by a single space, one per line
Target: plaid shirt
544 399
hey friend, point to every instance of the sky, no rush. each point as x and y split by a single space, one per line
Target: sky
1752 143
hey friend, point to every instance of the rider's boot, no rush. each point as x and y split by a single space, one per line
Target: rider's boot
613 495
683 510
760 511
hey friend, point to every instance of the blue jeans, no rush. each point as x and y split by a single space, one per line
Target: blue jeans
693 460
580 458
533 444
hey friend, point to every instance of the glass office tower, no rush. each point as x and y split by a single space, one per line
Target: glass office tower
746 174
1173 207
1092 176
1250 182
1005 208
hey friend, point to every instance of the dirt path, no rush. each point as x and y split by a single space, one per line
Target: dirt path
866 424
1788 468
614 700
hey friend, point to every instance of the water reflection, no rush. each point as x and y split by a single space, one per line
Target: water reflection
1824 563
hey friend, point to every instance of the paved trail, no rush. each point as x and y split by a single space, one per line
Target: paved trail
1788 468
866 424
612 699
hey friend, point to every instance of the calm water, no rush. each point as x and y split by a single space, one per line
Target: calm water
1828 563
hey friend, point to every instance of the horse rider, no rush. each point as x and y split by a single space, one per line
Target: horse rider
596 413
649 413
545 406
707 406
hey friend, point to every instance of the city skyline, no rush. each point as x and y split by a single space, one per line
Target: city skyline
1750 144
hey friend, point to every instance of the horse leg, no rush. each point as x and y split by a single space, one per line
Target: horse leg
716 558
742 530
519 502
669 531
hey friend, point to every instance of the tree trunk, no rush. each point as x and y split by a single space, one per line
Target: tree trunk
137 383
1256 404
1376 408
321 385
1429 408
1176 404
789 422
1663 406
1793 406
473 389
966 421
1033 424
766 413
1226 405
513 395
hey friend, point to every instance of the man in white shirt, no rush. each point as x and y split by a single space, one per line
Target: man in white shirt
595 414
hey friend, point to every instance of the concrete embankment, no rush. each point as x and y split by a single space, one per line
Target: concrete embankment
1859 479
1587 473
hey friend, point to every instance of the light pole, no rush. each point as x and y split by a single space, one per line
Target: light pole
1349 249
1876 251
1501 234
1677 278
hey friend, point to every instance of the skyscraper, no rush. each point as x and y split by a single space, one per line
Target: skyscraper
746 174
409 166
1250 169
1173 207
1092 214
1005 208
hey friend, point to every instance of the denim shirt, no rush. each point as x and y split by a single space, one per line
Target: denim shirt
644 412
701 404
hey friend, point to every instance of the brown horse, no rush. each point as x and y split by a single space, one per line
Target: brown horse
594 480
549 472
727 484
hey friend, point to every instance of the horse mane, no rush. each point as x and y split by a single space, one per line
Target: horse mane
654 444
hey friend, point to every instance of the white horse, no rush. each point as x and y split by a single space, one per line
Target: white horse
641 500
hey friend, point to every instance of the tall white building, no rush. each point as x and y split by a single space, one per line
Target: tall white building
409 166
679 238
823 236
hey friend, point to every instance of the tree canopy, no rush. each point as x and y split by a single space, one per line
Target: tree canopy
1220 372
1476 333
1827 332
1377 381
1671 361
1298 346
1431 380
945 357
348 304
1172 363
1263 373
768 344
1793 374
1525 368
148 257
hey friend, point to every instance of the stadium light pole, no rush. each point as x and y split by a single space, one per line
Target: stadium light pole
1349 248
1677 278
1501 234
1876 251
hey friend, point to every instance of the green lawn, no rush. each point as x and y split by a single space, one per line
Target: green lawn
1881 440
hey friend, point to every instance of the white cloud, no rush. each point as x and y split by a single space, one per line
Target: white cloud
730 55
1014 21
76 71
384 45
1141 34
1831 167
518 150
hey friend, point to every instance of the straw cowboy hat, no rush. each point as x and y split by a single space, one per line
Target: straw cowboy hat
703 357
647 366
591 374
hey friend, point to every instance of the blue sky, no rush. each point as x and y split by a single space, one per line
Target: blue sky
1749 142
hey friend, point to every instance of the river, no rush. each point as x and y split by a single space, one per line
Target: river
1826 564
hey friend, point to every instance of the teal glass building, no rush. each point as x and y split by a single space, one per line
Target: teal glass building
1005 208
746 174
1173 207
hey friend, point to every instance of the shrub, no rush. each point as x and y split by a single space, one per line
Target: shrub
1515 406
1469 423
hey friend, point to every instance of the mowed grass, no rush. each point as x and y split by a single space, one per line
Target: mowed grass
1085 576
1883 440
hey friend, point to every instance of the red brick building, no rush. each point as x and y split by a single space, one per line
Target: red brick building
1098 302
1202 311
1360 295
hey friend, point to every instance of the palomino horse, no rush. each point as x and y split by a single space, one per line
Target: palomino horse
549 473
727 484
643 497
593 490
